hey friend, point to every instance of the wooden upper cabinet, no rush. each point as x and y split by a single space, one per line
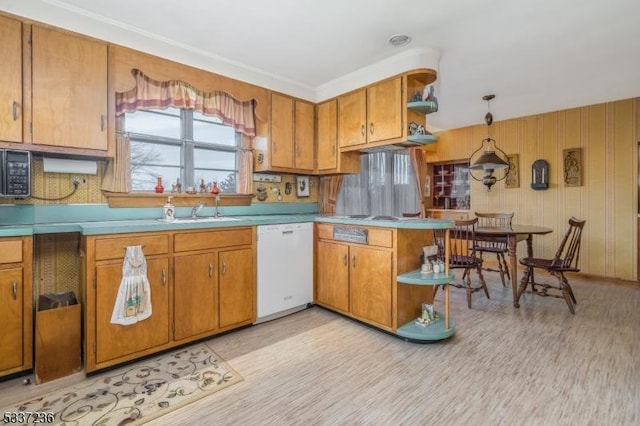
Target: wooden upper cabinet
327 118
69 90
292 133
10 80
281 131
305 125
352 118
372 114
384 110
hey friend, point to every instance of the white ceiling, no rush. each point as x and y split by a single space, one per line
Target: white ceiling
536 55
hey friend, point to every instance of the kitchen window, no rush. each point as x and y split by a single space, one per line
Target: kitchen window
181 144
385 186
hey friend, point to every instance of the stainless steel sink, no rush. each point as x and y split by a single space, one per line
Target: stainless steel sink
201 219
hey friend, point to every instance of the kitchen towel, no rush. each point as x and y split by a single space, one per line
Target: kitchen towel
133 302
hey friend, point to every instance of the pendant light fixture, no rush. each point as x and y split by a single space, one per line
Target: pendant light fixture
485 160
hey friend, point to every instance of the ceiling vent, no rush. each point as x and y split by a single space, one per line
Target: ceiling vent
399 40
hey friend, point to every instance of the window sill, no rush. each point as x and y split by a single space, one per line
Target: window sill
149 199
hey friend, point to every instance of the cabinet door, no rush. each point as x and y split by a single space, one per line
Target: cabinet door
384 110
11 318
69 90
352 118
10 80
328 135
237 286
196 294
332 276
371 284
282 116
304 136
115 340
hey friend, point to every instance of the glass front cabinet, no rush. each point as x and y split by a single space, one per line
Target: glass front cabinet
451 187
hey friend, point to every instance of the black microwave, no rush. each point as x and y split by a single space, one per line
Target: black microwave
15 173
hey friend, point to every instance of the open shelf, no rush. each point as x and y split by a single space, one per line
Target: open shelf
416 277
423 107
422 139
436 330
427 333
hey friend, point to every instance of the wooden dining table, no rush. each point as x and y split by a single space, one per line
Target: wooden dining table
514 235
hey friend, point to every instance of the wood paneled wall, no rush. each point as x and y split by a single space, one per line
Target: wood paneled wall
608 135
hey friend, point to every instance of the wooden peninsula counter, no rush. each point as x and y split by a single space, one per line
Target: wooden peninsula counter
368 269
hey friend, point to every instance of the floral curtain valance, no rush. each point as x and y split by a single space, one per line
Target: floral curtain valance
152 94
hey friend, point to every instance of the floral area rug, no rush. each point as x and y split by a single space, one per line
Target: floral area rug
134 394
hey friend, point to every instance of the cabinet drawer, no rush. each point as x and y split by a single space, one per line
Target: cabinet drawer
454 216
114 248
376 236
199 240
11 251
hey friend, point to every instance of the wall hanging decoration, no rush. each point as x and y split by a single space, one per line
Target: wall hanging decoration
513 177
488 158
572 159
427 186
540 175
302 186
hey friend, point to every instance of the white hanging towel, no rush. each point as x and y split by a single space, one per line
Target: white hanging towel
133 302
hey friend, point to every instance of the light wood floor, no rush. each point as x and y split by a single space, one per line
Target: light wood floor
537 365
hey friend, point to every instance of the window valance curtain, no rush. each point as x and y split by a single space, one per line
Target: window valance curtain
153 94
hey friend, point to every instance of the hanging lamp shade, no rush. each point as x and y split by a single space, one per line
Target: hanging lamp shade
485 159
489 160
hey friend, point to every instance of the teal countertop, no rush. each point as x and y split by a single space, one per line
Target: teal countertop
99 219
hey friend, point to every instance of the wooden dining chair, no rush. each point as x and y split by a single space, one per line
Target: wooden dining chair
565 260
462 254
497 245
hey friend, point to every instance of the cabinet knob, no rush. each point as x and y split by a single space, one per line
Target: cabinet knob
344 260
102 122
15 290
362 130
210 270
223 271
353 261
164 277
371 128
15 110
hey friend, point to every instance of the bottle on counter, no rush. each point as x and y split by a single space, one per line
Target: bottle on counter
169 211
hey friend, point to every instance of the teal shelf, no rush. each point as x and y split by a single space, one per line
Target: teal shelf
418 278
422 139
425 107
432 332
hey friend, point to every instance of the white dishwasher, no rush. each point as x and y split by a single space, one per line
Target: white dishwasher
285 269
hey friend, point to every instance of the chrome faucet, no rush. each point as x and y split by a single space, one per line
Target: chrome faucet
195 210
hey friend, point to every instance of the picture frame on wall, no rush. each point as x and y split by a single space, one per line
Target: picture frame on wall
572 160
302 186
513 177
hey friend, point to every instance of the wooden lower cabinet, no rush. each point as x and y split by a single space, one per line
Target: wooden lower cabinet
332 277
371 280
16 334
213 291
360 280
202 283
237 287
114 341
195 302
356 279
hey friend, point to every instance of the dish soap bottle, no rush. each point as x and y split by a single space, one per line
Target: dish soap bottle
169 211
